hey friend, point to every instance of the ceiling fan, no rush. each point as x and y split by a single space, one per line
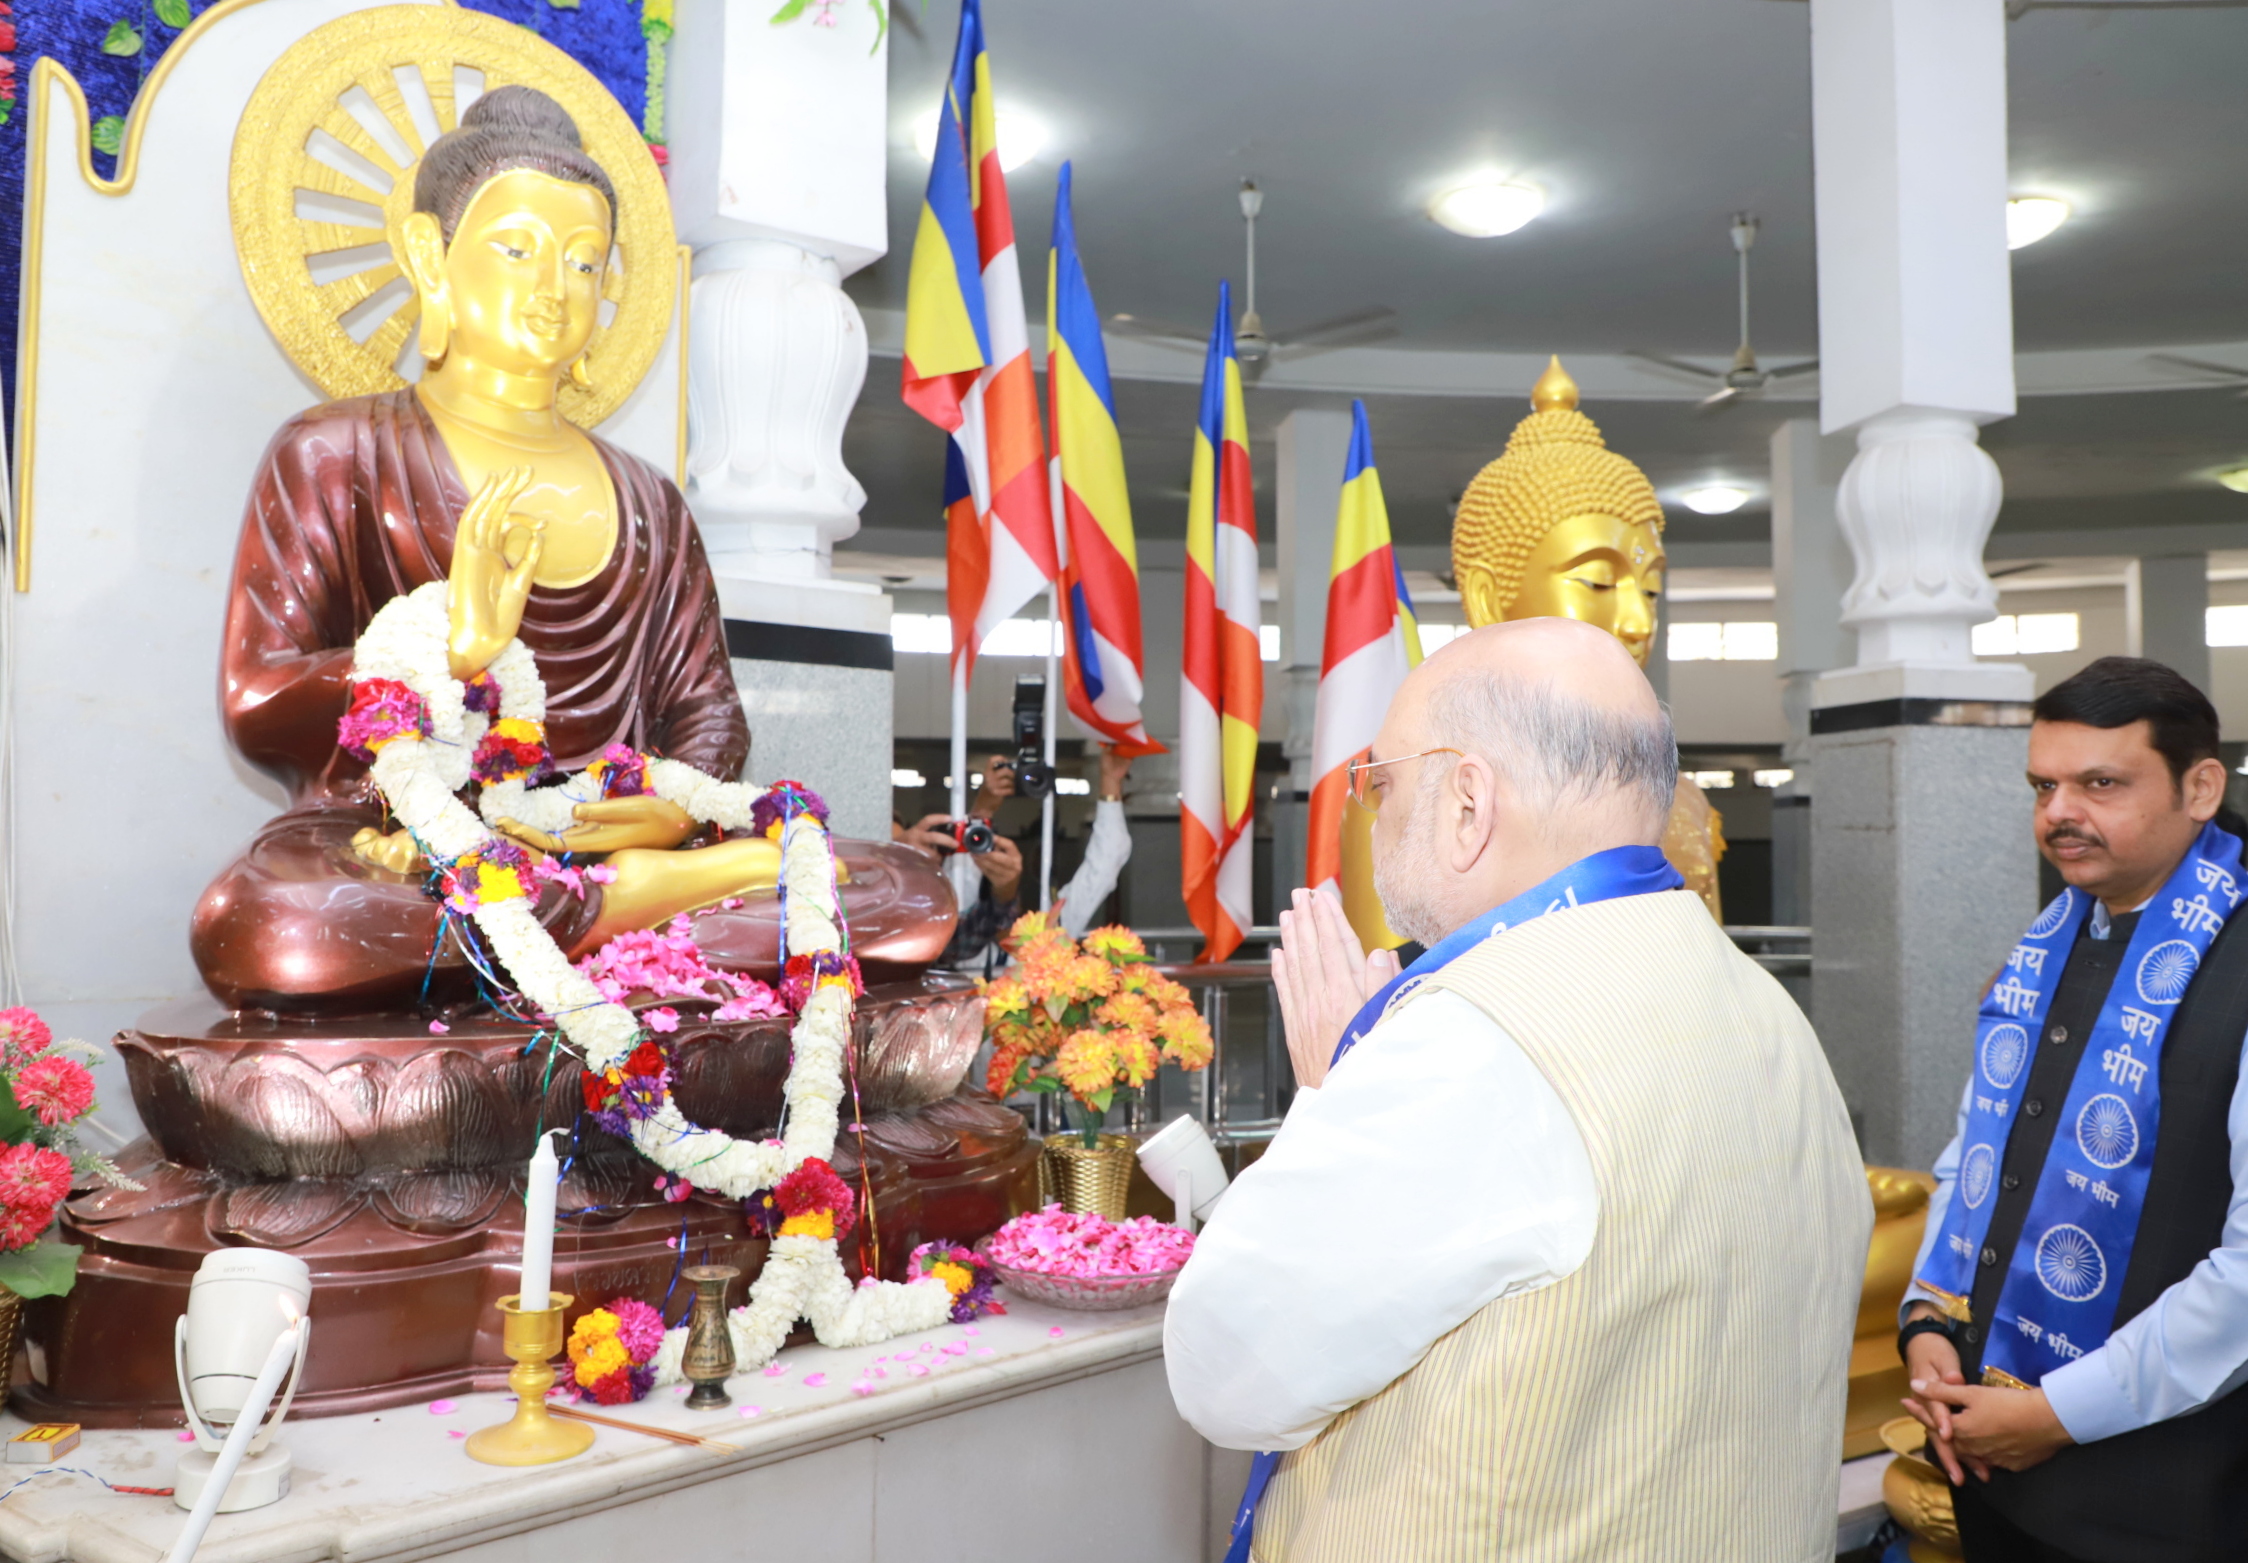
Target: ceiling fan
2216 374
1252 344
1746 379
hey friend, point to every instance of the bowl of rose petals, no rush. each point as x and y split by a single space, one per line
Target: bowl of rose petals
1087 1261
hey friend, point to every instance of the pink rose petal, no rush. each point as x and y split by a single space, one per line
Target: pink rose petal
751 1410
775 1370
985 1351
815 1381
971 1330
438 1028
918 1369
958 1348
861 1387
184 1436
928 1345
454 1432
1057 1332
442 1408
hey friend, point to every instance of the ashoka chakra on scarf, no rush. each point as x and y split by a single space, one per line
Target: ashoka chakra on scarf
1974 1176
2166 971
2049 921
2005 1050
2107 1133
2070 1264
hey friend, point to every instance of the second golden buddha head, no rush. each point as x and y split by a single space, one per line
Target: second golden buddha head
1560 526
508 246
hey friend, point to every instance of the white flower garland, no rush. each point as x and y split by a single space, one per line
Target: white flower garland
803 1276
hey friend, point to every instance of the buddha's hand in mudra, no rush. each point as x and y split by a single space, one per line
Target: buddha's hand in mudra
396 851
611 825
487 592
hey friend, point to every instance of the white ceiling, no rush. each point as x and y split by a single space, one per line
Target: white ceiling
1647 122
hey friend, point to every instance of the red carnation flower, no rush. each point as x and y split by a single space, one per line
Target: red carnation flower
22 1227
33 1179
815 1187
646 1059
596 1092
23 1033
614 1390
55 1088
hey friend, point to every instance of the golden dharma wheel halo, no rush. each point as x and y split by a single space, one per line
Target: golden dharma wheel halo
323 175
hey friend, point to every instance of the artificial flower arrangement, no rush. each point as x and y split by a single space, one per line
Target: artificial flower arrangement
45 1090
612 1353
1094 1020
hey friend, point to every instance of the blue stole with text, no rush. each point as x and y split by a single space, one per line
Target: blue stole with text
1604 876
2058 1299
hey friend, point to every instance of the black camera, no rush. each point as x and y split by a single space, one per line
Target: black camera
972 836
1034 778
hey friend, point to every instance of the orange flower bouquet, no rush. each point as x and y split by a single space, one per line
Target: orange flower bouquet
1091 1019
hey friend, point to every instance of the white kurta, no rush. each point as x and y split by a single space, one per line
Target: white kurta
1434 1172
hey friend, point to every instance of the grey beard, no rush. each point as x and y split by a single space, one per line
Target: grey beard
1402 880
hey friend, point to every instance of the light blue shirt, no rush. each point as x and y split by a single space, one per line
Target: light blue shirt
2187 1349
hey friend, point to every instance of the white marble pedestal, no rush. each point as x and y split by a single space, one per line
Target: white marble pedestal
1042 1434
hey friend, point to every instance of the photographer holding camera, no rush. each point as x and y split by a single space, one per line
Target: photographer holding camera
985 868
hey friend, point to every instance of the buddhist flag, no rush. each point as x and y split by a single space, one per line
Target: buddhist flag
967 363
1373 640
1100 562
1221 690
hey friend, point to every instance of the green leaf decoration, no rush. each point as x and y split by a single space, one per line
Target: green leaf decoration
16 1123
109 134
881 24
7 107
122 39
563 5
790 12
45 1269
173 13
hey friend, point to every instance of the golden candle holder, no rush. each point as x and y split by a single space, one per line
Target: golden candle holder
533 1336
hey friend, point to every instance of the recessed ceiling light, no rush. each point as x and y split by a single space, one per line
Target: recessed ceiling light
1487 208
2235 478
1714 499
1021 136
2030 218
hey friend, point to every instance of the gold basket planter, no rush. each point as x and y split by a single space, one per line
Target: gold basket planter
11 1330
1087 1182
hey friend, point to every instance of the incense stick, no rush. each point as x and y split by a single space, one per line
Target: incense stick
622 1426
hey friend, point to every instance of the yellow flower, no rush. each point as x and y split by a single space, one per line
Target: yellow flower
1005 999
956 1277
591 1329
1129 1011
1112 942
1090 977
1087 1063
1136 1059
1186 1038
813 1223
603 1358
498 884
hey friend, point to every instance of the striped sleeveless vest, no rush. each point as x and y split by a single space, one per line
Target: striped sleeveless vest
1680 1396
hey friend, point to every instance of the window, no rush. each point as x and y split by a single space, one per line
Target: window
1737 640
1021 638
2025 635
1779 778
1435 635
904 778
2228 626
1709 781
923 632
1072 787
1268 642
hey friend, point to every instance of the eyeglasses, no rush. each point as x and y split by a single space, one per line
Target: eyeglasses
1363 794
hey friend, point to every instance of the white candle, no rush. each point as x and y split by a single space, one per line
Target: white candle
538 1228
237 1442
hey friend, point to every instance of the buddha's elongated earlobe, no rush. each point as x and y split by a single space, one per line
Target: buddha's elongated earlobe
436 329
422 249
580 376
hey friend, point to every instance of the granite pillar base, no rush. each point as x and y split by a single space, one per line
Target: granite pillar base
1923 873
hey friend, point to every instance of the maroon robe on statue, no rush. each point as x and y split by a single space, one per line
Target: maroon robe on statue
355 503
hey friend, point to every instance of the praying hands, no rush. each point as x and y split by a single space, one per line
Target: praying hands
1323 978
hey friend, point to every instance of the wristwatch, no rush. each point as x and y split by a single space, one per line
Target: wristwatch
1937 1325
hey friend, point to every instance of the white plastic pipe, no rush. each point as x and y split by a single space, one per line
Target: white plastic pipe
237 1443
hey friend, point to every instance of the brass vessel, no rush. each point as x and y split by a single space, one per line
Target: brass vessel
1087 1182
708 1360
1918 1495
531 1436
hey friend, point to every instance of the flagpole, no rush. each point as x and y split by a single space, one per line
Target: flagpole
959 735
1046 811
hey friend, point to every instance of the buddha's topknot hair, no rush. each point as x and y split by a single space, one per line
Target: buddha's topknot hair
1556 466
507 128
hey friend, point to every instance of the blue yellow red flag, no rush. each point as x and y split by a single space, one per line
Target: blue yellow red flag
1102 666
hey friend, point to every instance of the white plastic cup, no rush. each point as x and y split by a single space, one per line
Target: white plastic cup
1179 1152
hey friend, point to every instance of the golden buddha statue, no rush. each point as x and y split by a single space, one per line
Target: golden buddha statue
545 532
1562 527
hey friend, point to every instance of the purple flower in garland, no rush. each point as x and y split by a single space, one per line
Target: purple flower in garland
622 771
782 803
482 693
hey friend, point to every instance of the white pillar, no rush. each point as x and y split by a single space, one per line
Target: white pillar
778 181
1314 446
1811 569
2166 613
1915 328
1923 869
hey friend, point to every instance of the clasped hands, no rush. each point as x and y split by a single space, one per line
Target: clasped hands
1323 978
1976 1426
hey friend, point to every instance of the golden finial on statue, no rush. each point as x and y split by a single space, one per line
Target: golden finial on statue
1555 391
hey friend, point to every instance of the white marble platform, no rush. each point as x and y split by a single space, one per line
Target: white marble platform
1018 1432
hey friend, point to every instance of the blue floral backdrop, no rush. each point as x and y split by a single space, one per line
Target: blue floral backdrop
110 46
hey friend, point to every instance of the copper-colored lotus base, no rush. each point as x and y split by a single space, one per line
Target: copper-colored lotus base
391 1161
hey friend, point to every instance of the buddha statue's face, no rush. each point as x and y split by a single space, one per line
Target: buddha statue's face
522 277
1591 567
